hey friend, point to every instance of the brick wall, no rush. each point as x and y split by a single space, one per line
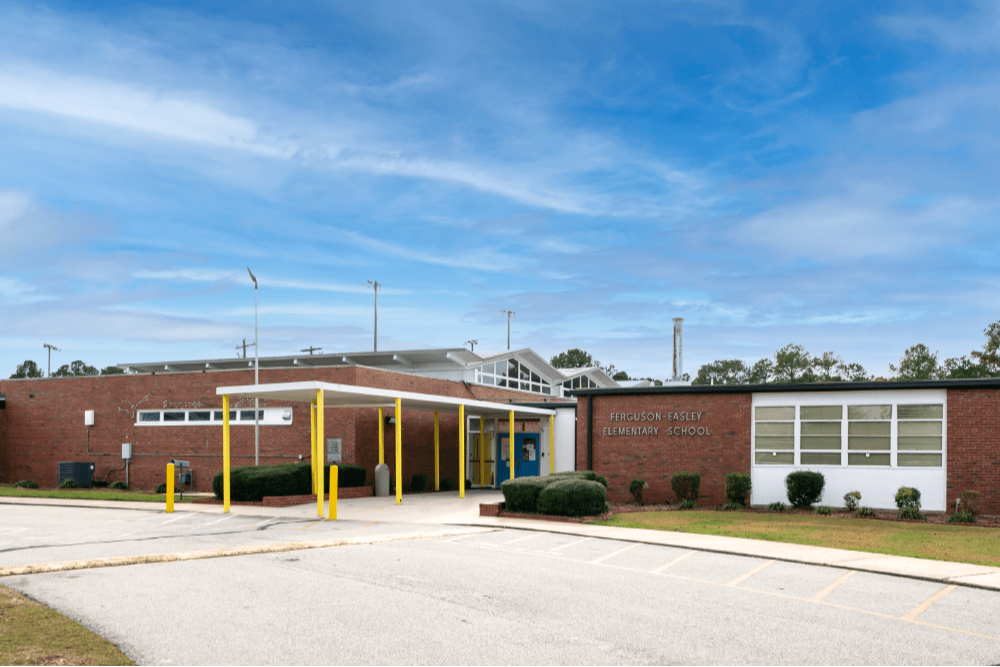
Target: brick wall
44 424
974 446
655 457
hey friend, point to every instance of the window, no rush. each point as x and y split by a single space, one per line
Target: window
173 416
203 417
199 416
512 373
774 435
869 435
149 416
919 441
820 439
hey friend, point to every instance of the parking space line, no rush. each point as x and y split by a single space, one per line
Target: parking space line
819 597
674 562
315 522
265 522
743 577
568 544
611 555
183 516
230 516
926 604
521 539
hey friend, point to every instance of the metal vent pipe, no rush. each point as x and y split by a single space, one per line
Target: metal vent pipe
678 348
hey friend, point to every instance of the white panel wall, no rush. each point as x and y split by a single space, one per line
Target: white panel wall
565 439
877 484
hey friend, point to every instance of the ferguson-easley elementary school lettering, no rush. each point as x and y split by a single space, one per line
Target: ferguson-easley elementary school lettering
654 430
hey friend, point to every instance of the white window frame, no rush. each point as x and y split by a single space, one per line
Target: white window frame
271 417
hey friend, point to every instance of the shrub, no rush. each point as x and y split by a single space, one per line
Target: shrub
161 488
521 494
852 500
804 487
602 480
119 485
468 483
908 498
865 512
776 507
686 485
252 483
588 475
98 483
969 503
349 475
911 513
447 485
962 517
738 488
635 487
823 510
68 484
573 497
686 505
733 506
419 482
26 484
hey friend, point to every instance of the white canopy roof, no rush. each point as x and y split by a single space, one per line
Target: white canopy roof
351 396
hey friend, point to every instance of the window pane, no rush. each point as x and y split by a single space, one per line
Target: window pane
920 411
821 412
775 414
784 442
199 416
546 389
821 442
820 428
246 415
871 444
217 415
867 459
149 416
924 442
909 460
774 428
814 459
869 412
535 378
512 368
920 428
868 428
173 416
778 458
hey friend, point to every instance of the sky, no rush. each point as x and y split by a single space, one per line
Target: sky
823 174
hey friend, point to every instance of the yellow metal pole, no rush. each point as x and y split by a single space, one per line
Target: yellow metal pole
510 445
170 487
225 453
320 452
399 451
381 435
334 483
461 451
552 441
482 451
437 451
312 443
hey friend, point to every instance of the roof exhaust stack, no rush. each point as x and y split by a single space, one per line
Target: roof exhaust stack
678 349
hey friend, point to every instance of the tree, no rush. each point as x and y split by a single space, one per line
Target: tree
853 372
29 369
723 371
793 364
917 363
575 358
989 358
75 369
761 372
620 376
112 370
958 368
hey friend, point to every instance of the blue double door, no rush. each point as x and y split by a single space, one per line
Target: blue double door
526 455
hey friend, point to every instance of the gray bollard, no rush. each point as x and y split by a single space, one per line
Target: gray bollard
381 480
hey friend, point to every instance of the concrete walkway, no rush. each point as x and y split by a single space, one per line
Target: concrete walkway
449 509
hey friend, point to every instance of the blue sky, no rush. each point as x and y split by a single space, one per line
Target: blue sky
774 173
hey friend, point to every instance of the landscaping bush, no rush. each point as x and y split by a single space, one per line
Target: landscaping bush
98 484
738 488
776 507
162 488
26 484
573 497
823 510
68 484
419 483
969 503
733 506
804 487
865 512
908 502
962 517
119 485
602 480
468 483
911 513
686 505
447 485
686 485
635 487
852 500
588 475
252 483
349 475
521 494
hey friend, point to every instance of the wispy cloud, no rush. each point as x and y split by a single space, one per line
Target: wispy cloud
974 31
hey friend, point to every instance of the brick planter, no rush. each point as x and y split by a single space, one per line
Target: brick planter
291 501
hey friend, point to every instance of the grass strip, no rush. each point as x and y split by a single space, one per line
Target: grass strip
33 634
89 494
961 544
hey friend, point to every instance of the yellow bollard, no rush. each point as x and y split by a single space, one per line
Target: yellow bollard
334 483
381 435
399 451
170 487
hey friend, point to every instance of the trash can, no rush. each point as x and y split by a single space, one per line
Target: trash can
381 480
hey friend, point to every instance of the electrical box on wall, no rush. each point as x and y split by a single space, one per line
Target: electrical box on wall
126 450
88 418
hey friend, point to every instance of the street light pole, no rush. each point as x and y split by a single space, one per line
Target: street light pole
256 376
50 348
509 314
376 285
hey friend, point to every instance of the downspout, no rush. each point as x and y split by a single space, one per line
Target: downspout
590 432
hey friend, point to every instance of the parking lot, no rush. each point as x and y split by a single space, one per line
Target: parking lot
404 592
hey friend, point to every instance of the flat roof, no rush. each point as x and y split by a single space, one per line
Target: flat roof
352 396
888 385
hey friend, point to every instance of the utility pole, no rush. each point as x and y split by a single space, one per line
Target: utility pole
256 376
311 349
50 348
244 345
472 345
375 284
509 314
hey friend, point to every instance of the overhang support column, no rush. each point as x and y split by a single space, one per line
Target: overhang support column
320 452
381 435
312 443
461 451
437 451
399 451
552 440
482 451
510 445
225 453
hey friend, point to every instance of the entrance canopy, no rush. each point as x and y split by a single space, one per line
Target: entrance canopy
351 396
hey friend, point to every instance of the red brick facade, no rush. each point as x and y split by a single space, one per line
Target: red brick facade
634 450
43 424
974 446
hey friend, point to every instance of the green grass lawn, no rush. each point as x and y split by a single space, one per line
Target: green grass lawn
88 494
33 634
965 544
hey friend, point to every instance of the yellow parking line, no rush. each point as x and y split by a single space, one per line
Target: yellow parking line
309 525
743 577
819 597
926 604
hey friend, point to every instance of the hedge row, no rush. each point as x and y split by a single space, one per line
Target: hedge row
573 493
252 483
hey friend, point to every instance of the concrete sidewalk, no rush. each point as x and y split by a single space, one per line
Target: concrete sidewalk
449 509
